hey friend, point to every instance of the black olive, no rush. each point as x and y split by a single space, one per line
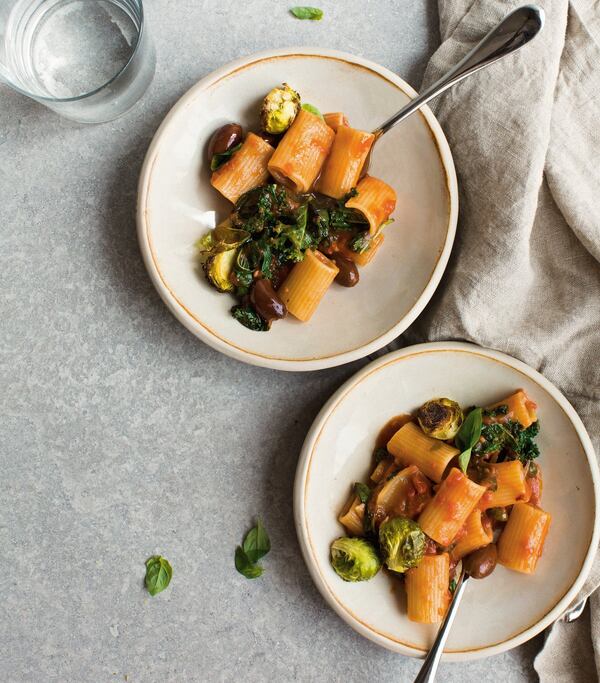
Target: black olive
348 272
266 302
482 562
224 138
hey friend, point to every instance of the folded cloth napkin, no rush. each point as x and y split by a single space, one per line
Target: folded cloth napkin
524 277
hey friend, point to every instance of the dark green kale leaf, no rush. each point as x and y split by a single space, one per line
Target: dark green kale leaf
362 491
248 317
360 243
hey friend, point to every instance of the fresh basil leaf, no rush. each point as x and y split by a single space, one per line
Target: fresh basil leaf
468 435
310 13
312 109
220 158
244 566
362 491
158 574
257 543
464 459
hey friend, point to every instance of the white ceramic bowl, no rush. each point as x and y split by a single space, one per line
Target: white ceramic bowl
176 205
503 610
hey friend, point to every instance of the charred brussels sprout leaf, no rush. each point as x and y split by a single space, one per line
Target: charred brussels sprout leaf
402 543
218 268
309 13
354 559
249 318
279 109
440 418
158 574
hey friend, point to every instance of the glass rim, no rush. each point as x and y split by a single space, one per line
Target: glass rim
95 91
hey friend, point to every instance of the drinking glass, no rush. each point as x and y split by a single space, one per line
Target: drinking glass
88 60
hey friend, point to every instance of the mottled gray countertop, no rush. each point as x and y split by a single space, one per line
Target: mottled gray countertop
122 435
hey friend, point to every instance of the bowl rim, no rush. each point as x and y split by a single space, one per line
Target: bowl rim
186 318
302 476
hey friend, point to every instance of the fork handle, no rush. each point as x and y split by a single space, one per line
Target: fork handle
430 665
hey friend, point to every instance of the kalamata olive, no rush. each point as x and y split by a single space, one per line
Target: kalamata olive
273 140
224 138
268 305
482 562
348 272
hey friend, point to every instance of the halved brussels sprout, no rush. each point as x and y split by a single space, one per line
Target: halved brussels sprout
218 267
279 109
440 418
402 543
354 559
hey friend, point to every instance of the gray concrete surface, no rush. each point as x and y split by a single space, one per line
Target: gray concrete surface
121 435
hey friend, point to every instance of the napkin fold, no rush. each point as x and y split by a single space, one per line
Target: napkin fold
524 277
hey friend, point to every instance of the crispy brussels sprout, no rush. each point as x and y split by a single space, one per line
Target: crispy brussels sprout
279 109
440 418
402 543
354 559
218 267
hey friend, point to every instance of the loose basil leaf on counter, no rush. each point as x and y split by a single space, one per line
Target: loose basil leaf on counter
245 566
220 158
312 109
311 13
362 491
468 435
158 574
257 543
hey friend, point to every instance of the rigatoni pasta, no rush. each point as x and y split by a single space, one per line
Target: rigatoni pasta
448 490
522 540
510 484
519 407
411 447
300 155
353 517
375 199
245 170
335 119
475 533
302 217
307 283
452 504
427 590
345 162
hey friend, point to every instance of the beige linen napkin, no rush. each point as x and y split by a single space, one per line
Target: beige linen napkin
524 277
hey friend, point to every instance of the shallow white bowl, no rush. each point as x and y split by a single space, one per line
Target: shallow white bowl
176 205
503 610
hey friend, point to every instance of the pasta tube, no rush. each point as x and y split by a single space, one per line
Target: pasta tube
353 516
376 200
510 485
452 504
344 164
246 169
335 119
522 541
301 153
520 408
307 283
410 446
366 256
427 589
473 535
